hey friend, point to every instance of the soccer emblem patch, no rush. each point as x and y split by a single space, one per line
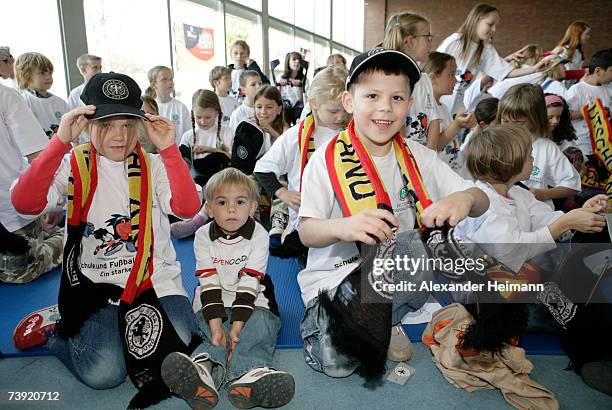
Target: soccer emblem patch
115 90
143 330
242 152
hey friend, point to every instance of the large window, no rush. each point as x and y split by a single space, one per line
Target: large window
126 47
241 24
198 44
348 23
22 30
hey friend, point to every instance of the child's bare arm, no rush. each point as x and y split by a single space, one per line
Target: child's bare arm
581 219
455 207
367 226
553 193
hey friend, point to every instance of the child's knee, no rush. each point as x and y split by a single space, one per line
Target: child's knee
103 371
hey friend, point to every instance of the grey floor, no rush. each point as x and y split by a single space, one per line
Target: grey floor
425 390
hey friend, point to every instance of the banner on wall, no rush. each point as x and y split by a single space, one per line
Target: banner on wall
199 41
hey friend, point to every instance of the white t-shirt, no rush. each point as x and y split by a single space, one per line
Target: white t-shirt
576 62
450 153
472 95
490 62
243 112
554 87
284 158
289 92
20 136
579 95
327 267
229 257
518 225
423 112
208 138
228 105
47 110
236 79
179 114
106 255
551 168
74 100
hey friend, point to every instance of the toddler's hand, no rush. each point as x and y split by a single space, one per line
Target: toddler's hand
368 226
234 338
291 198
218 337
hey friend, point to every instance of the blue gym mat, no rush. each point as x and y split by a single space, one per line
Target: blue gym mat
17 301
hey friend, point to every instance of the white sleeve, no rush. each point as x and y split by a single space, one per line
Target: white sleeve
494 65
561 172
20 123
161 183
540 213
187 138
186 119
258 257
573 98
74 100
277 159
227 136
317 193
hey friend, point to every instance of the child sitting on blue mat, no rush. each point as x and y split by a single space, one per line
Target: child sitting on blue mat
361 188
122 302
231 261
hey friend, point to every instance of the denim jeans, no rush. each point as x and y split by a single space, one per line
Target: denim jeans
95 355
255 349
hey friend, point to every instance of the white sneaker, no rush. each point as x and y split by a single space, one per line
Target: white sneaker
400 347
190 380
262 387
278 223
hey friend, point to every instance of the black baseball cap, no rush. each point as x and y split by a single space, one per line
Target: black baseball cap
378 54
112 94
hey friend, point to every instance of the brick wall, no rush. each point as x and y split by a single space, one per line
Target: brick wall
522 21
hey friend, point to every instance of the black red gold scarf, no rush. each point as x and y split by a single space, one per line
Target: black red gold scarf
601 137
306 143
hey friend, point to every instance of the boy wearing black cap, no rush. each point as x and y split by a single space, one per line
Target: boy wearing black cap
366 185
122 302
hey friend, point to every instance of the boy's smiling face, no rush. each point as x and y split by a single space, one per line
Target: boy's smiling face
380 104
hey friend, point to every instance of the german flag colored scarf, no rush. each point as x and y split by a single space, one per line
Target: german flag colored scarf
306 143
356 181
601 138
147 334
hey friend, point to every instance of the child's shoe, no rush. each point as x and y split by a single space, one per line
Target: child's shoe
262 387
190 380
36 328
278 224
400 347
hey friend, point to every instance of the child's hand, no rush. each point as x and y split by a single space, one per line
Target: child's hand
234 339
466 120
291 198
296 83
598 203
282 82
454 208
201 149
268 128
73 123
368 226
161 131
585 220
218 337
542 65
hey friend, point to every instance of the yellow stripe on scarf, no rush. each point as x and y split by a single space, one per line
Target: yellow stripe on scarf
306 142
601 138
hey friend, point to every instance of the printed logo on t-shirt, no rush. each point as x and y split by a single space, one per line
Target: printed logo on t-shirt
403 194
417 128
175 117
233 261
114 240
58 115
535 171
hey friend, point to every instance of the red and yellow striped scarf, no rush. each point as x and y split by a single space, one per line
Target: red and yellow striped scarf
306 143
81 189
356 181
601 138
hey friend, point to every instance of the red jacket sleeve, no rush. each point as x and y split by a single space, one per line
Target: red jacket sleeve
185 202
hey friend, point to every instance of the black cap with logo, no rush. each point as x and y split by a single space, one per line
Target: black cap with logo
112 94
395 58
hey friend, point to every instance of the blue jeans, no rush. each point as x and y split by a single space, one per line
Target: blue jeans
255 349
95 355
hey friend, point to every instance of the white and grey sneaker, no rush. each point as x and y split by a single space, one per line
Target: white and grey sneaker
278 223
263 387
400 347
190 380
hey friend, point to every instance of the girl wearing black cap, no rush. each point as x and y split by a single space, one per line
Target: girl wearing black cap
122 302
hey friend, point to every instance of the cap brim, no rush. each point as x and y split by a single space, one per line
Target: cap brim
113 110
405 63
